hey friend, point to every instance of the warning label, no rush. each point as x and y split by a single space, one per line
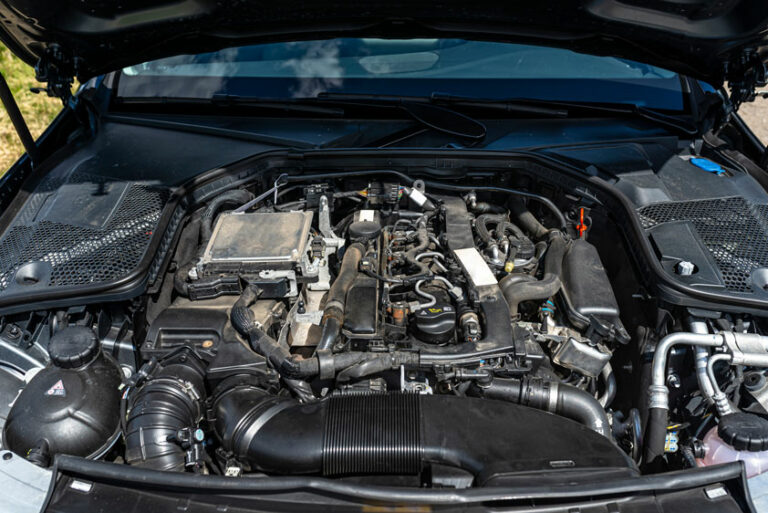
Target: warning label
57 389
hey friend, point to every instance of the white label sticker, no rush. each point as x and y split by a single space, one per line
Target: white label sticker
81 486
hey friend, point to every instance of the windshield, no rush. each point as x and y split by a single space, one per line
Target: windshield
412 67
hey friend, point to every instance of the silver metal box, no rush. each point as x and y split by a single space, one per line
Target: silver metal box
267 241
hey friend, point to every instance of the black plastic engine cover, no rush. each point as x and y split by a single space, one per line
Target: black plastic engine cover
586 288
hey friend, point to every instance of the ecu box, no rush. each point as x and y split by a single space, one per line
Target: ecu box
243 243
268 250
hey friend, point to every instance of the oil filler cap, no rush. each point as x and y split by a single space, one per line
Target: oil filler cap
73 347
744 431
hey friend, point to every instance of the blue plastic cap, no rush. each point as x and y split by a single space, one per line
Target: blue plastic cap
708 166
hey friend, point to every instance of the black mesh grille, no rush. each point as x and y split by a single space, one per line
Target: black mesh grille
82 255
734 231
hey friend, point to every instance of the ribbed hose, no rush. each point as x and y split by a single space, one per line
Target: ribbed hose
235 197
516 292
170 401
396 434
335 305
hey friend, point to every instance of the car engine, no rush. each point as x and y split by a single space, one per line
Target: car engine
425 333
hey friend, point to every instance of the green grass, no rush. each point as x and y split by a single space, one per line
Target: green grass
38 109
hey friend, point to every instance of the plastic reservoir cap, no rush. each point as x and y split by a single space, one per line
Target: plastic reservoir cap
744 431
708 166
73 346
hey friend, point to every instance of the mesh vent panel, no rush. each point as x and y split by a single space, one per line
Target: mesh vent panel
80 255
733 230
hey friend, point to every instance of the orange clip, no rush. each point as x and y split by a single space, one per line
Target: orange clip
581 227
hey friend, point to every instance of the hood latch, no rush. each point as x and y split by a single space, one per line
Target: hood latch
57 68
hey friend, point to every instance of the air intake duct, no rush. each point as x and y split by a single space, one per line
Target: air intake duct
161 429
399 434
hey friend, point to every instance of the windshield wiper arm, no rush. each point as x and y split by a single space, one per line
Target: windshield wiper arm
568 107
516 106
553 108
297 105
434 116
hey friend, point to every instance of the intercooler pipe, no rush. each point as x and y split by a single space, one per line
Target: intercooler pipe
391 433
335 305
163 415
516 292
561 399
233 197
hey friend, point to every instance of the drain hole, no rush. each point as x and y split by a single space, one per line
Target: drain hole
32 273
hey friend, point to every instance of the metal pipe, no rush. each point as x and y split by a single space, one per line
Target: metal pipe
436 256
658 393
431 300
6 96
609 378
701 356
721 400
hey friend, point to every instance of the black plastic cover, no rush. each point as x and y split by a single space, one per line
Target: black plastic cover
361 313
436 324
744 431
73 346
586 288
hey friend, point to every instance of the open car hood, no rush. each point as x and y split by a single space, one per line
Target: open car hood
713 40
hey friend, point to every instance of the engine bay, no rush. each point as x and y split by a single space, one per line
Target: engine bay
352 325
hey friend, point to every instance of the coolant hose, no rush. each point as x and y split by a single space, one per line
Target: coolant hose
165 409
323 363
235 197
526 220
335 305
516 292
565 400
501 223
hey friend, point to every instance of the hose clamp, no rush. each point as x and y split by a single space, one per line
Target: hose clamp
325 363
658 397
552 406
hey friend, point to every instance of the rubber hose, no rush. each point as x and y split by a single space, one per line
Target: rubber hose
482 222
171 400
502 225
526 220
548 286
570 402
333 314
422 238
291 366
610 386
655 439
482 207
238 197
